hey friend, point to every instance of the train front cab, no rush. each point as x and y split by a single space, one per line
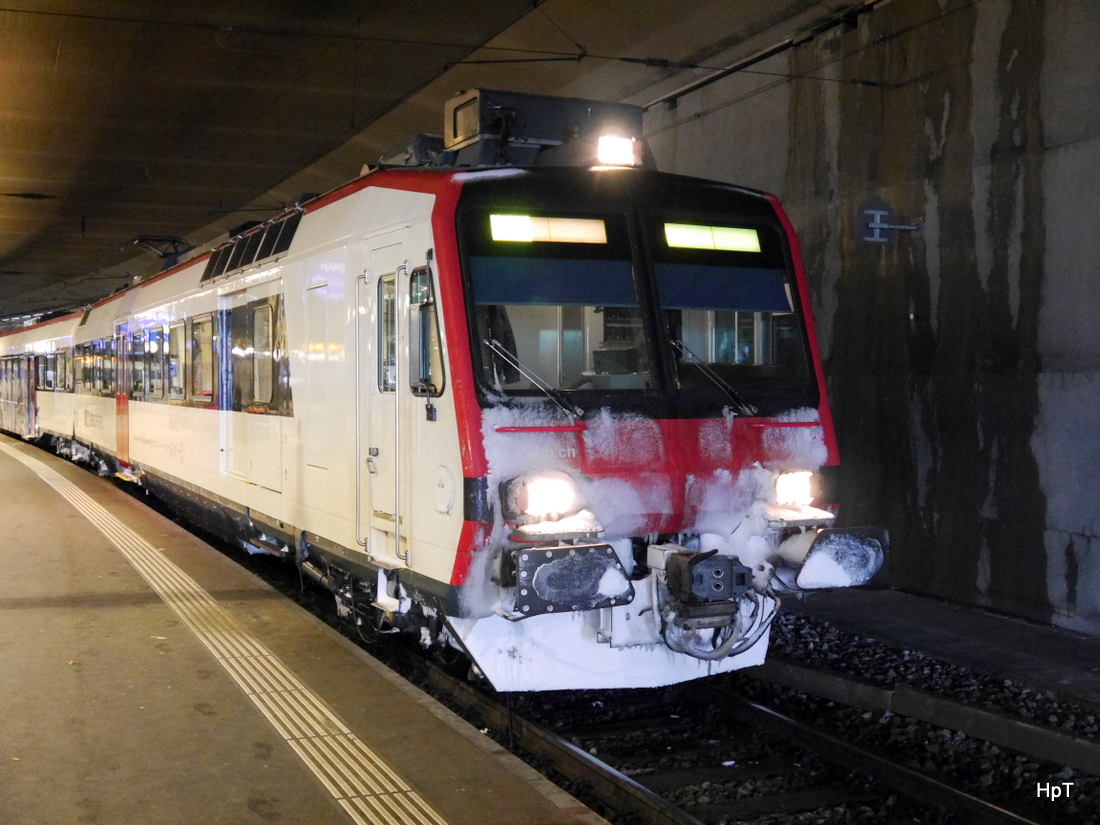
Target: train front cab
651 417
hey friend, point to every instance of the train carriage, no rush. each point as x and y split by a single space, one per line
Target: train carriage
561 414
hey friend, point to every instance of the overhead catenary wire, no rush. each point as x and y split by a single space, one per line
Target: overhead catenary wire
789 43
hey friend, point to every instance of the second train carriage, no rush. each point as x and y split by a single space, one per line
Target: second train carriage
561 415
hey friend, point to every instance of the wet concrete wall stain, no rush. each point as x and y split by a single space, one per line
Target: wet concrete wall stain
932 353
1014 530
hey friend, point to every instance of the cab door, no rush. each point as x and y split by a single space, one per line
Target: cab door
383 398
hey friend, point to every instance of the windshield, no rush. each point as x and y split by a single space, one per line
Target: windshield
683 310
557 292
726 299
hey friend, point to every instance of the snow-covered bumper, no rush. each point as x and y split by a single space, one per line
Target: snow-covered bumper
815 556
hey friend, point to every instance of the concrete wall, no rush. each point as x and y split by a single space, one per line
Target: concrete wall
963 356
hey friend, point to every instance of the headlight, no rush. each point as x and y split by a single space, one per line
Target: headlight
613 150
548 495
795 489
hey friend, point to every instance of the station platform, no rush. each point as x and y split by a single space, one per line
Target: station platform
146 678
1041 657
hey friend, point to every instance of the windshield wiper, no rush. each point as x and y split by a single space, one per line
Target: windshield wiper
743 407
513 360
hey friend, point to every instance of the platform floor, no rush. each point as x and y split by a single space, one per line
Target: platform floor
146 678
1041 657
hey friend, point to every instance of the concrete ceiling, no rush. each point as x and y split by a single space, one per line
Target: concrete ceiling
121 119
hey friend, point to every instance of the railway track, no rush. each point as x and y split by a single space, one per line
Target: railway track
701 754
685 755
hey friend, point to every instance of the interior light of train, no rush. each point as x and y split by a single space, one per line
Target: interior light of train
555 230
612 150
728 238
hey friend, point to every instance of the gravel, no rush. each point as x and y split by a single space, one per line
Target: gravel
812 641
984 768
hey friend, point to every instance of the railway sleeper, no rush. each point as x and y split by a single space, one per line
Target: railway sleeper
788 802
665 781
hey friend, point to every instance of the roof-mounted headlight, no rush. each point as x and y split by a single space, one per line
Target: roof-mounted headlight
614 150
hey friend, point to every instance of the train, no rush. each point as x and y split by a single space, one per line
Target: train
512 391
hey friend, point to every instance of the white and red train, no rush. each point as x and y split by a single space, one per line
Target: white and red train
562 414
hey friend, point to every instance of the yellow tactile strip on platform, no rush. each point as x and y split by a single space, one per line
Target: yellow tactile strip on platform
370 792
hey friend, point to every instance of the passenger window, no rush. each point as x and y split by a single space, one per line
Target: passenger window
97 366
114 350
137 364
202 358
262 362
64 377
426 375
154 362
175 361
387 334
84 373
45 374
103 368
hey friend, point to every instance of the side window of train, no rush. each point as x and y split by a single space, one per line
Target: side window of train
114 354
175 361
426 375
43 378
57 363
137 364
203 364
387 334
96 349
89 367
241 363
78 367
263 363
64 374
154 362
281 360
103 367
259 369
